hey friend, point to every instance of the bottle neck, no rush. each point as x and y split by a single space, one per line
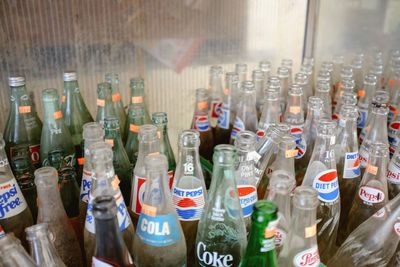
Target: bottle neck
324 147
282 200
52 113
189 161
42 250
215 84
347 134
270 113
258 242
49 204
145 148
20 98
294 110
201 107
303 223
377 166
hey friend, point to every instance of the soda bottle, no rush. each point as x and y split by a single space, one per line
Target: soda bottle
323 92
246 112
160 120
116 99
215 88
393 173
392 63
348 164
393 88
189 190
201 123
110 249
221 236
345 73
23 126
357 66
301 248
258 80
348 98
51 211
55 134
75 115
365 97
122 166
105 107
14 211
265 67
308 70
241 70
364 246
377 70
92 133
322 175
288 63
281 186
301 80
338 61
228 109
283 75
105 183
372 192
42 249
12 254
261 247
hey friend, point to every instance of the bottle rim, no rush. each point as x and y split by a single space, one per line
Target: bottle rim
92 131
69 76
16 81
37 231
305 197
46 177
189 139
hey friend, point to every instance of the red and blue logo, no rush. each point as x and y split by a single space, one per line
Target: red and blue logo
189 203
201 123
301 145
327 185
351 165
238 126
247 197
224 117
392 136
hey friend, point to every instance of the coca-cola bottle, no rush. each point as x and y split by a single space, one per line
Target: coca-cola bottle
258 80
393 173
189 190
221 236
105 107
12 254
283 75
301 248
365 97
323 92
201 123
372 193
215 88
321 174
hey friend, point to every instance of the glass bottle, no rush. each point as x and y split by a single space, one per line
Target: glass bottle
288 63
345 73
12 254
201 123
241 70
215 92
348 98
308 70
323 92
117 102
338 62
258 80
159 239
394 92
261 247
23 126
55 135
221 236
265 67
121 163
302 80
321 174
136 118
301 248
105 107
110 249
357 66
365 97
246 112
42 249
189 190
283 75
51 211
348 164
160 120
393 173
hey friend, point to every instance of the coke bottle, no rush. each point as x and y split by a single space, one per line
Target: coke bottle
116 99
258 80
365 97
23 126
348 98
301 248
201 123
372 192
215 88
394 91
51 211
12 254
221 236
393 173
105 107
323 92
110 249
321 174
261 247
241 70
283 75
270 109
189 190
159 239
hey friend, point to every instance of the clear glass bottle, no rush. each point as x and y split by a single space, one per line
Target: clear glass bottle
348 98
365 97
357 66
323 92
241 70
283 75
302 80
12 254
393 88
105 107
338 61
288 63
258 80
345 73
393 173
265 67
215 92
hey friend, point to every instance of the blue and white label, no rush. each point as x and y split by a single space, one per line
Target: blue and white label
362 117
12 201
224 117
159 230
351 165
247 198
201 123
189 203
327 185
85 186
392 136
122 215
301 146
238 126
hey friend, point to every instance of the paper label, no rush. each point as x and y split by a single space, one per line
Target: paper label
224 117
24 109
301 146
189 203
134 128
202 105
362 117
291 153
116 97
393 173
307 258
327 185
372 169
101 102
238 126
351 167
201 123
310 231
361 93
12 202
34 151
371 195
294 109
247 198
57 115
149 210
216 109
136 99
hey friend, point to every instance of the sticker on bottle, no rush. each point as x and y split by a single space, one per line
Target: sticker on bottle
149 210
57 115
224 117
202 105
158 231
294 109
291 153
85 186
63 98
351 167
380 213
310 231
12 202
137 99
100 102
24 109
392 136
327 185
371 195
116 97
134 128
371 169
34 151
362 117
238 126
216 109
247 198
189 203
109 141
260 134
336 117
201 123
363 156
361 93
301 146
393 173
280 237
396 228
392 113
307 258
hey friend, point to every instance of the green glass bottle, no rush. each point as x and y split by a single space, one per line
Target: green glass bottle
23 126
136 119
55 135
105 108
122 166
75 115
116 99
260 250
160 120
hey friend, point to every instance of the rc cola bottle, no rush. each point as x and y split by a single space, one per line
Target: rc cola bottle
51 211
116 100
270 109
365 97
189 190
261 247
201 123
322 175
159 239
393 174
23 125
372 193
283 75
258 80
42 249
110 249
241 70
323 92
105 107
215 92
221 236
301 248
12 254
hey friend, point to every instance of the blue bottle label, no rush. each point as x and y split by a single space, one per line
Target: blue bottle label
224 117
362 118
12 201
247 198
85 186
238 126
351 165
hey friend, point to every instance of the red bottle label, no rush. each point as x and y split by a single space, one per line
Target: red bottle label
35 153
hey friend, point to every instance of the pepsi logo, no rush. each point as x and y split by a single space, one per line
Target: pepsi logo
351 165
247 198
260 133
238 126
396 228
327 185
395 125
393 173
189 203
371 195
201 123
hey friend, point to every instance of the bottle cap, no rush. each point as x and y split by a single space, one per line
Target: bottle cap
16 81
70 76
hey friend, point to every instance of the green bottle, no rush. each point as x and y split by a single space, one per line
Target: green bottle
260 250
105 108
75 114
23 126
160 120
55 135
116 99
136 119
122 166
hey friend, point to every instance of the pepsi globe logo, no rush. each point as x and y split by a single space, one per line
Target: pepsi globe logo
247 198
351 165
201 123
297 132
238 126
396 228
327 185
260 134
223 118
189 203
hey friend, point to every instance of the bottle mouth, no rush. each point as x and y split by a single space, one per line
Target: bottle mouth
92 131
147 133
305 197
70 76
224 154
189 139
245 139
159 118
112 78
248 87
265 207
295 90
257 75
46 177
16 81
100 152
282 182
37 231
265 66
283 72
50 95
232 77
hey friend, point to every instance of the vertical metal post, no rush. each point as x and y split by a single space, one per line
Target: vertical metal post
310 34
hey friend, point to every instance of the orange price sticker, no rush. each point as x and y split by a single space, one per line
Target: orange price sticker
101 102
115 182
202 105
57 115
310 231
109 141
372 169
137 99
81 161
269 232
294 109
116 97
291 153
24 109
134 128
361 93
392 82
149 210
226 91
63 98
